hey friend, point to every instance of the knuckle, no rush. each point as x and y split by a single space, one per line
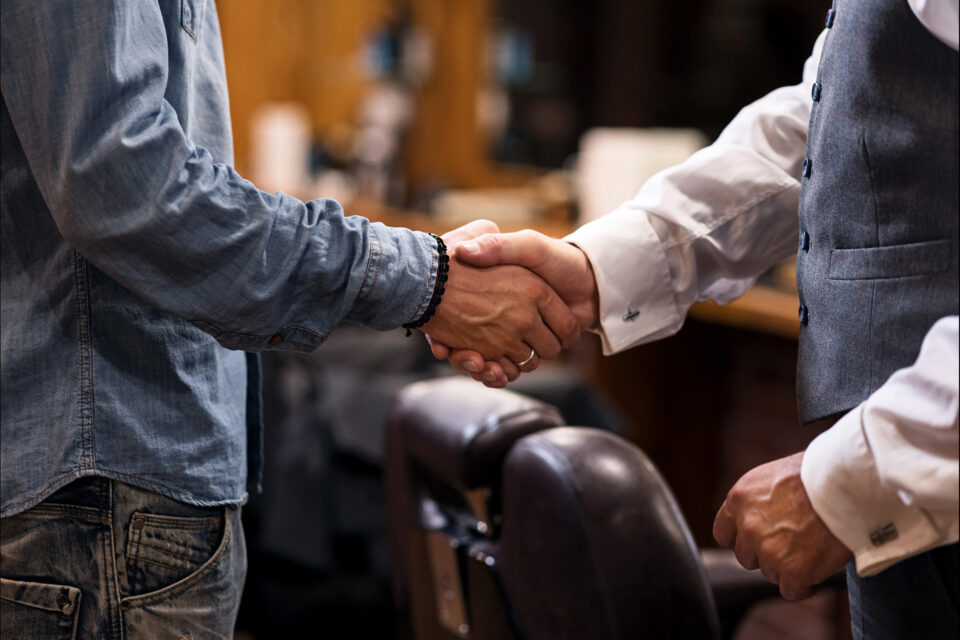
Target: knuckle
483 225
492 240
534 288
545 295
525 323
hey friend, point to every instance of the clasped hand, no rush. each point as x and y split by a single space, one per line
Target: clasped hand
507 294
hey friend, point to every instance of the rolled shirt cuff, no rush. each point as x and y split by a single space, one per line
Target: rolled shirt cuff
399 278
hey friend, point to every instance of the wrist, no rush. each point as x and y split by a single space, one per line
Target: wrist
439 287
588 308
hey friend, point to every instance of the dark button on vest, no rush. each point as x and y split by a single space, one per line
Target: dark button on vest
877 265
831 15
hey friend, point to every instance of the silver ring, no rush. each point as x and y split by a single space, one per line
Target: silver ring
533 354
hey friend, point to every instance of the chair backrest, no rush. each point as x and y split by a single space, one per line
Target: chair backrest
505 524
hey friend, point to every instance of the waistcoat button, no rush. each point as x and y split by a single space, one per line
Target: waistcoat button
804 241
807 166
815 91
803 315
276 339
831 15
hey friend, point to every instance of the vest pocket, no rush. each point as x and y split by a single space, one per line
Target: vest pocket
35 610
895 261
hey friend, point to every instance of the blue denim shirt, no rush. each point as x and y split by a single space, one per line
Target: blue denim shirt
137 264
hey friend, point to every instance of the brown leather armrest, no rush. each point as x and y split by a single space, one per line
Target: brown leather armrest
459 431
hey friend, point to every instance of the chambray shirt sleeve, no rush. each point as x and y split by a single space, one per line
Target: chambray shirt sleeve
84 83
884 478
703 230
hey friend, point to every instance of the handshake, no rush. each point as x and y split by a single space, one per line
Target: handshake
510 300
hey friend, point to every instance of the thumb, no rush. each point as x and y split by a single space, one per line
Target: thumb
523 248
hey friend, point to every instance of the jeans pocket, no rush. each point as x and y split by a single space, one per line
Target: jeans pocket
32 610
203 604
162 550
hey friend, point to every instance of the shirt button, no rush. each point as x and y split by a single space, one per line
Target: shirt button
831 15
804 241
276 339
815 91
803 315
807 166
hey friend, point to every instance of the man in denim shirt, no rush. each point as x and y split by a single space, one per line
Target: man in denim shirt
137 268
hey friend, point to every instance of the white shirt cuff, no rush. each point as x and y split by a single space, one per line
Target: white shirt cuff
637 302
841 479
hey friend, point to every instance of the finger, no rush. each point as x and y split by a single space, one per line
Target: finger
466 360
440 351
558 317
746 553
725 527
493 376
793 591
542 340
524 248
509 368
745 556
470 230
769 570
532 365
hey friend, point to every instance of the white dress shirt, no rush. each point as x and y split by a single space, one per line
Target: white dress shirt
704 230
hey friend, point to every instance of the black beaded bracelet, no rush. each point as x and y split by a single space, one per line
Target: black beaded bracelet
443 266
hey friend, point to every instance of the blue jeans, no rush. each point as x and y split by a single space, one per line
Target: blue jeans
102 559
916 598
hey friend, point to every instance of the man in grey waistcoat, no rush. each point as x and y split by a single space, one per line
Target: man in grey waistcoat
866 149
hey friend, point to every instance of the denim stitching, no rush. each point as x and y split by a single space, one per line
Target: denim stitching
110 568
377 254
85 341
89 514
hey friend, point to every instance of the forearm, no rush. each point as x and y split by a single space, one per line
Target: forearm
243 264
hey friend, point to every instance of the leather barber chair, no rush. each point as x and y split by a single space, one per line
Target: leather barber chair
505 524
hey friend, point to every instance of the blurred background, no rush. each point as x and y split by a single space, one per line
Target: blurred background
532 113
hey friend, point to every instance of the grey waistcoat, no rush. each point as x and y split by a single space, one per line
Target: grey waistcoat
877 264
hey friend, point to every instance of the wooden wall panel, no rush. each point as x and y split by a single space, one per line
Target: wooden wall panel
308 51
